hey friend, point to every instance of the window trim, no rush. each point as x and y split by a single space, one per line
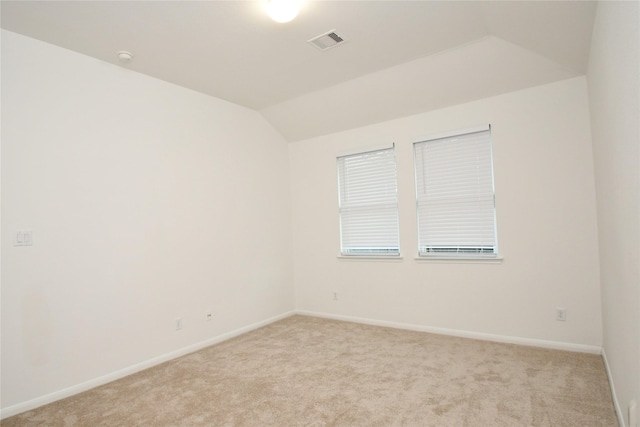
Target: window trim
382 258
458 260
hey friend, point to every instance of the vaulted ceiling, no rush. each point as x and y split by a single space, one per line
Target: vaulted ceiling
399 58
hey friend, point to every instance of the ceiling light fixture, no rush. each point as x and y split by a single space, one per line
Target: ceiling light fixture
283 10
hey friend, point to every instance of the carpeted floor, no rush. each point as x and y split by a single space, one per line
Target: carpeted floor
304 371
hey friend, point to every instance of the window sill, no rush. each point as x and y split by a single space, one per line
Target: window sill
369 258
458 260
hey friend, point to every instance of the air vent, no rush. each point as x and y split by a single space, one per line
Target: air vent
327 40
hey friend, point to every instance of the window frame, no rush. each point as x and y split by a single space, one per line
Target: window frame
453 250
367 206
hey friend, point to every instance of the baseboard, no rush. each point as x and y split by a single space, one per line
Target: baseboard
87 385
555 345
621 419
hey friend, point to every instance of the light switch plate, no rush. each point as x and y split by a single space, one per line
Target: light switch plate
23 238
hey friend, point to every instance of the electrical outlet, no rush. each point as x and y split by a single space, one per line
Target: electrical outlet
178 323
209 315
561 314
335 296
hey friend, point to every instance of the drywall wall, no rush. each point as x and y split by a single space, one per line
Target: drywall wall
614 96
148 202
545 214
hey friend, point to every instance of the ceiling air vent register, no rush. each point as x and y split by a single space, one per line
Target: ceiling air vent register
327 40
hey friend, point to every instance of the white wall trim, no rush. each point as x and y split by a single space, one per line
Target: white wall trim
555 345
87 385
621 420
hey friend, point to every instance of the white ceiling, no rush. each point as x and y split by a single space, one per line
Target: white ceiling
400 58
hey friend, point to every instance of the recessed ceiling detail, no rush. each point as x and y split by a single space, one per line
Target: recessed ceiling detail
401 57
327 40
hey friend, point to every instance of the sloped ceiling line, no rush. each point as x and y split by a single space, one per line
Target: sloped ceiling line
402 57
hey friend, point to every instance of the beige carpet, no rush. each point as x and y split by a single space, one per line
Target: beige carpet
305 371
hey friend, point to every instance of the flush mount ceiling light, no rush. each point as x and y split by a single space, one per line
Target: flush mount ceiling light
282 10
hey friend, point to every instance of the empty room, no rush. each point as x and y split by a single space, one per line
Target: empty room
320 213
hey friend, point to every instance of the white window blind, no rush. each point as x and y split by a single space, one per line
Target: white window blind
455 196
368 204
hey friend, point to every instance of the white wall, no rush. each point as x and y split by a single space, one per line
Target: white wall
546 226
614 95
147 202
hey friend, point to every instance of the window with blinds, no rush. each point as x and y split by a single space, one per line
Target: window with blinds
368 204
455 196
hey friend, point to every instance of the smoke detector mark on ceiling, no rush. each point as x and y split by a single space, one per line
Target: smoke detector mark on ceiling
327 40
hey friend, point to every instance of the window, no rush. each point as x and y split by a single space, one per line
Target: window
455 196
368 204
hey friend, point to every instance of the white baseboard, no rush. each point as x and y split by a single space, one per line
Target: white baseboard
621 419
121 373
87 385
555 345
